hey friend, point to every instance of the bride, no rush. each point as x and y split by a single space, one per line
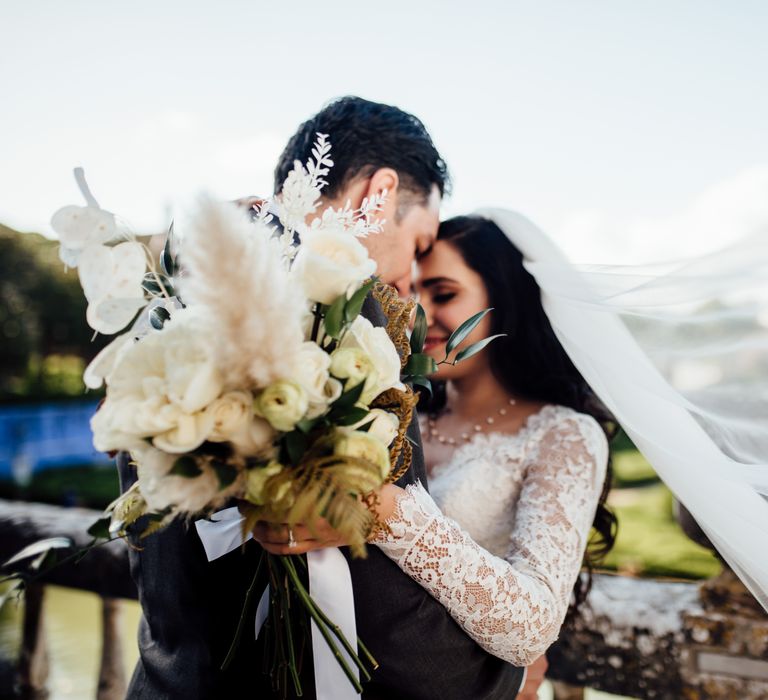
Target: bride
517 450
517 442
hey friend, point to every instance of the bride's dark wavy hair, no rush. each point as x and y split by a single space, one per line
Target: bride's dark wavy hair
529 362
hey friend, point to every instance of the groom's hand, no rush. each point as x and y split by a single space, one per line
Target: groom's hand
280 538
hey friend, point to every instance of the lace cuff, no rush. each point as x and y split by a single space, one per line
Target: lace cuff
414 511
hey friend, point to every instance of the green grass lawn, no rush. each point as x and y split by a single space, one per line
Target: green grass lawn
649 541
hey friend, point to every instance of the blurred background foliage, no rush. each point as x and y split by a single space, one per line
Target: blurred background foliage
45 341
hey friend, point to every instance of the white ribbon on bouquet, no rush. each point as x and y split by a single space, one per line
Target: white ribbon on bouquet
330 584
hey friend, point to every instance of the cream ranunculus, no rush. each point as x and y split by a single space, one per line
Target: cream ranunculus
283 403
234 422
383 425
256 479
354 443
329 263
159 386
375 342
353 364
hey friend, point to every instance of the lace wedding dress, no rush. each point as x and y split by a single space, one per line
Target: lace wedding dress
502 543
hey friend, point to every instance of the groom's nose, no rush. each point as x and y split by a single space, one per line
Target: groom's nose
404 286
426 304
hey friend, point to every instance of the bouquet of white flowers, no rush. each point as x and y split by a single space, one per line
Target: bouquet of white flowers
249 373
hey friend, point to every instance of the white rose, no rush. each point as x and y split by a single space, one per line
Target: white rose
230 413
383 425
329 263
158 386
377 345
283 403
354 443
190 431
312 373
234 422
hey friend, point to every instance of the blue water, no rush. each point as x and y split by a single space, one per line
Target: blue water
41 436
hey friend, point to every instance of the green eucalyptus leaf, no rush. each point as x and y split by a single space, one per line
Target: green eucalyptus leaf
158 316
186 466
475 348
422 382
420 365
354 306
366 426
349 398
351 416
307 424
100 529
37 548
167 263
464 330
419 333
334 317
295 444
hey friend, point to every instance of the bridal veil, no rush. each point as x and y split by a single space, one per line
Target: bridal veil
678 352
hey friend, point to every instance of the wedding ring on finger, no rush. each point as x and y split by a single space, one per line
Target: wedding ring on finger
291 539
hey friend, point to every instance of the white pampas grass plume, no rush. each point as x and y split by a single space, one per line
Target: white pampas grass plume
235 273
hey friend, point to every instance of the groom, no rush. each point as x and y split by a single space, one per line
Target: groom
192 606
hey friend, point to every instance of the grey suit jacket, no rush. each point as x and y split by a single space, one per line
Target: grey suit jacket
191 608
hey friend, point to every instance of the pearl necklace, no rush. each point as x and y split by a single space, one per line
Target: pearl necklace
466 437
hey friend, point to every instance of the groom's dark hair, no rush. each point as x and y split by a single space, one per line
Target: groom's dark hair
364 137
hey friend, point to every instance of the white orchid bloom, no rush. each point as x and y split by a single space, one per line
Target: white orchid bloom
81 227
111 279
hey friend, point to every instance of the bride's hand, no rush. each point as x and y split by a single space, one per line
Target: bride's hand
533 679
279 538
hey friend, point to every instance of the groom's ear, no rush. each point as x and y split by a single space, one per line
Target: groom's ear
383 179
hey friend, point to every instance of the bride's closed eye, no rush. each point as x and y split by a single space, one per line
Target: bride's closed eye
443 298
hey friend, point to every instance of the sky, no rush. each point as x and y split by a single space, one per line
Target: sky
630 131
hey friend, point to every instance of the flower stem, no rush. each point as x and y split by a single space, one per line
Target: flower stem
316 324
292 667
313 611
243 614
347 646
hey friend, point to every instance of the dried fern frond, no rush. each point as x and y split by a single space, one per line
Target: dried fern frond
402 404
330 487
398 313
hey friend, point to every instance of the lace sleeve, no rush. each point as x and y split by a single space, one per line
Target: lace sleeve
512 607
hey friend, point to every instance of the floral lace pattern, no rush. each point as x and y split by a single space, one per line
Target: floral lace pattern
527 502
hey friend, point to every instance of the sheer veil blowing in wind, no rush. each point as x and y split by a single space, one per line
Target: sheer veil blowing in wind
678 352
